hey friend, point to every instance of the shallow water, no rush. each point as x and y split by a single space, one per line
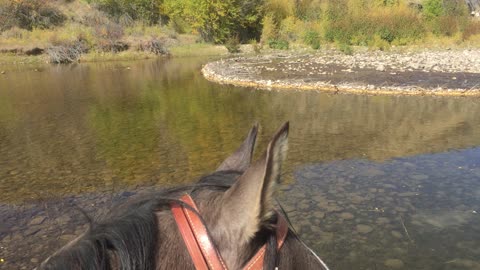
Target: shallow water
419 212
375 182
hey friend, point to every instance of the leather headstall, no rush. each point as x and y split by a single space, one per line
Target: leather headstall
203 252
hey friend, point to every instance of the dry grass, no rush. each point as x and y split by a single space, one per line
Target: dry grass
76 10
141 30
363 23
472 29
198 49
10 61
121 56
44 37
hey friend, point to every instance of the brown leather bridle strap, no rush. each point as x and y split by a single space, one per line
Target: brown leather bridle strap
256 262
200 247
188 237
191 221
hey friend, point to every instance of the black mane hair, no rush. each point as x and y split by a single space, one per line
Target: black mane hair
127 238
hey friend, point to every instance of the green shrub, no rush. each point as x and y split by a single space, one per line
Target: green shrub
281 9
386 34
144 10
339 32
270 28
345 48
288 29
308 10
433 9
216 21
445 26
380 43
315 44
233 44
446 17
178 25
278 44
312 38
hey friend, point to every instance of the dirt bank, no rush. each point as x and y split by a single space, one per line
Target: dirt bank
448 72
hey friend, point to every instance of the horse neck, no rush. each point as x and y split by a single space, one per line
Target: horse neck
296 255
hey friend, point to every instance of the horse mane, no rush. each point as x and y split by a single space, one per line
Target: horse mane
127 237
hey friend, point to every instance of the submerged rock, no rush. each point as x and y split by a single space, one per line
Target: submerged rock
346 216
396 234
394 263
37 221
364 229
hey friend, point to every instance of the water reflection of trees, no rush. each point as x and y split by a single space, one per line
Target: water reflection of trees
112 125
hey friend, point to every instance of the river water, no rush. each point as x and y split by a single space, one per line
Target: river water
371 182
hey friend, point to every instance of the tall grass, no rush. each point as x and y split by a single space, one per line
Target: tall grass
363 26
374 23
472 29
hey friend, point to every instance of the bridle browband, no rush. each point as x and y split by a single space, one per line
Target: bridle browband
203 252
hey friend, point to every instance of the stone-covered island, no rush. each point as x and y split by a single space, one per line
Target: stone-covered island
427 72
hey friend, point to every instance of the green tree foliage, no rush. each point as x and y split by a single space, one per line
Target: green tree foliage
145 10
308 10
446 17
217 20
433 9
312 38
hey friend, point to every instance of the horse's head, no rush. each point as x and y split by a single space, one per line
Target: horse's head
236 205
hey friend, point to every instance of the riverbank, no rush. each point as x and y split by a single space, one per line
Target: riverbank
84 32
451 72
180 50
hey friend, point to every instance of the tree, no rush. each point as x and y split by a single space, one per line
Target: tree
433 9
145 10
217 20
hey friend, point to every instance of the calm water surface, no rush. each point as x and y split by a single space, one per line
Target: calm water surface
373 182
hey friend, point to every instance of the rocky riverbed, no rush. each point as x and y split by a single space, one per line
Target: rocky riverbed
408 213
31 232
448 72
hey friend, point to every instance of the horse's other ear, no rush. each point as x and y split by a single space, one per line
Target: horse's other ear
249 202
241 158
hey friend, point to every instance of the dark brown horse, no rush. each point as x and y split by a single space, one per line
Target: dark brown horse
236 204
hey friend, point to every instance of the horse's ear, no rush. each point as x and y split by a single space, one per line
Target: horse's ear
241 158
249 202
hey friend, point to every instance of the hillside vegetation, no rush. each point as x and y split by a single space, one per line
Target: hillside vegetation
67 29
